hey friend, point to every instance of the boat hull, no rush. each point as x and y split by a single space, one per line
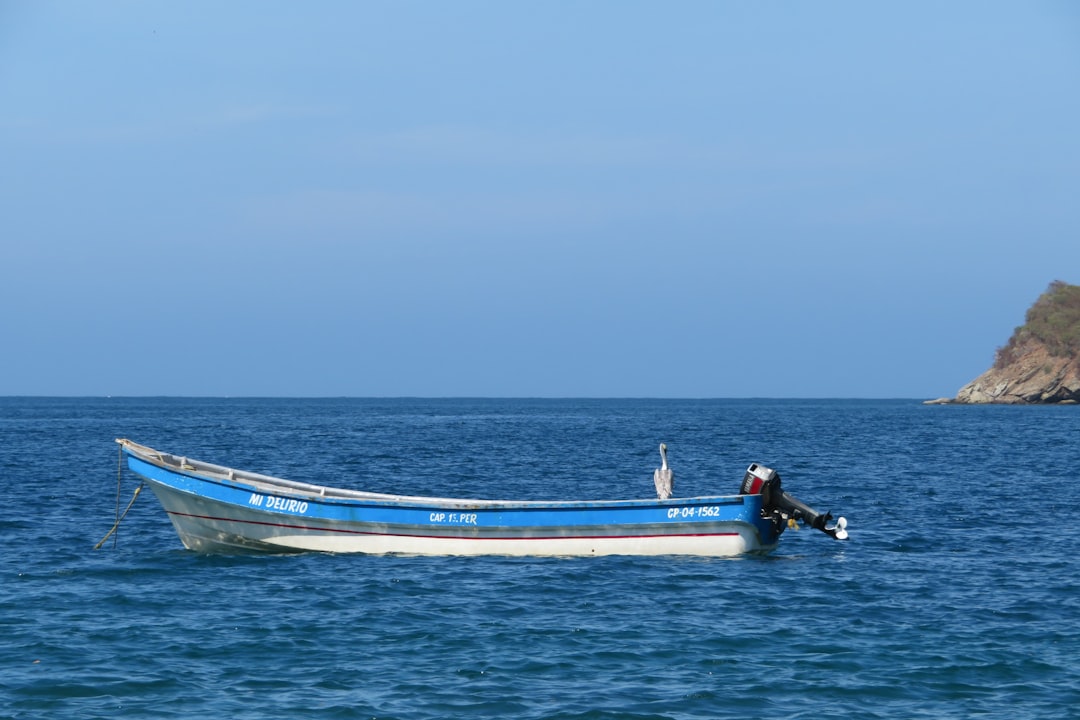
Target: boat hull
219 510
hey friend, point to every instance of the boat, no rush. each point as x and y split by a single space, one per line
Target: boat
218 509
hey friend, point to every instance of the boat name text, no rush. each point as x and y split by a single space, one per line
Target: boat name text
454 518
693 512
270 502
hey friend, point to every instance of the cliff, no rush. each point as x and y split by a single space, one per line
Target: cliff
1041 362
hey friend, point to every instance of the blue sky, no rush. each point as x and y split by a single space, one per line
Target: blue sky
602 199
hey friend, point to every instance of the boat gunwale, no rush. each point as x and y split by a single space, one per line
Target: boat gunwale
225 475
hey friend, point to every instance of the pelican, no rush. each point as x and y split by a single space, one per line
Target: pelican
663 478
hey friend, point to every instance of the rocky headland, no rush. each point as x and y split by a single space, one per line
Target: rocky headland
1041 362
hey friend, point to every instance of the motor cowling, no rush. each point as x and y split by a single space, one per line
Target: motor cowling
782 507
759 480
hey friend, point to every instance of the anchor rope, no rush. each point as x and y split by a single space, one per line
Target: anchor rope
119 516
122 516
119 473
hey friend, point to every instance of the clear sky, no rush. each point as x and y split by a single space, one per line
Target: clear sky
596 199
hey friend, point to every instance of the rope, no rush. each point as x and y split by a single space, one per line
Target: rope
119 472
120 517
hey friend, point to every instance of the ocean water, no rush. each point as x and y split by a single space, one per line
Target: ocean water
957 596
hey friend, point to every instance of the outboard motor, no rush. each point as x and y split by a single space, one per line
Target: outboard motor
783 508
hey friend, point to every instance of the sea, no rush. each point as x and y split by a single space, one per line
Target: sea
957 594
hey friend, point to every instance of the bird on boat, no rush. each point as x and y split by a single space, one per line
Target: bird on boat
663 478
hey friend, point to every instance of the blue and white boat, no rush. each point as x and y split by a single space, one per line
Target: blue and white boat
217 509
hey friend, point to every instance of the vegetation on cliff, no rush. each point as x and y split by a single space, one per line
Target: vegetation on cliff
1053 321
